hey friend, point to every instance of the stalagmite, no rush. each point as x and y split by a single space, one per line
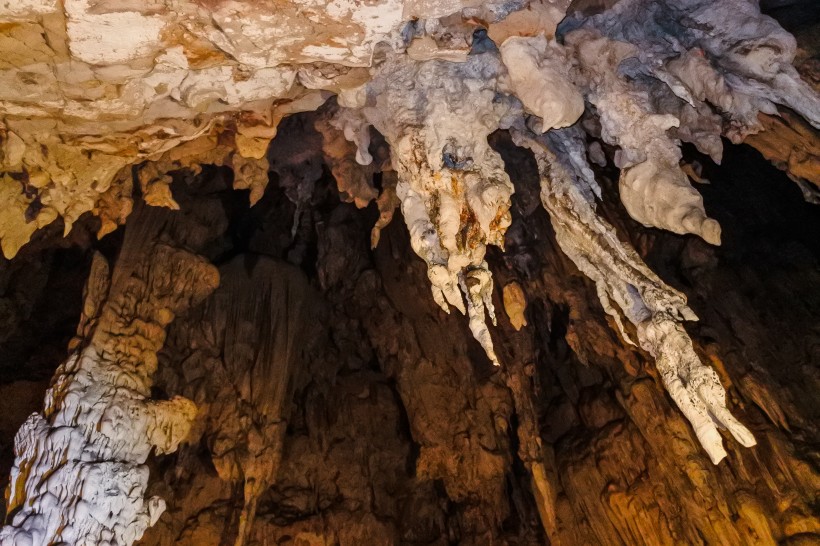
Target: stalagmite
80 475
622 278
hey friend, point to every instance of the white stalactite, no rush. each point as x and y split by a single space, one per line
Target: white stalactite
539 77
622 279
658 71
654 190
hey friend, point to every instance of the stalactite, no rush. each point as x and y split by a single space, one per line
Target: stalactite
659 71
622 278
515 304
298 164
250 174
79 476
350 162
387 202
539 70
653 188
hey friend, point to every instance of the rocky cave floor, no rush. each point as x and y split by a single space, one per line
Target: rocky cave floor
398 428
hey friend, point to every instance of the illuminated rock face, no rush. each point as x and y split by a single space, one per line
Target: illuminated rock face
104 103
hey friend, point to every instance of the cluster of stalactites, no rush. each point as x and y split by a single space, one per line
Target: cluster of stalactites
652 80
658 72
454 192
652 84
452 187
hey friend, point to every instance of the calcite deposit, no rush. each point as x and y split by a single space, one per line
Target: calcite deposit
159 117
80 474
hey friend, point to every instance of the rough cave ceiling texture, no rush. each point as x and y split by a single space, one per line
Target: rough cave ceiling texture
113 107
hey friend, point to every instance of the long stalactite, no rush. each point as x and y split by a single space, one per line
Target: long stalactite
620 276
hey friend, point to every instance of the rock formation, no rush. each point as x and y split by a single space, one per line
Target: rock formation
210 130
80 474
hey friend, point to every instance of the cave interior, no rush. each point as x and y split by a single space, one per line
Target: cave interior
601 328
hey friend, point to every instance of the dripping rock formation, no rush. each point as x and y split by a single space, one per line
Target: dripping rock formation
409 272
